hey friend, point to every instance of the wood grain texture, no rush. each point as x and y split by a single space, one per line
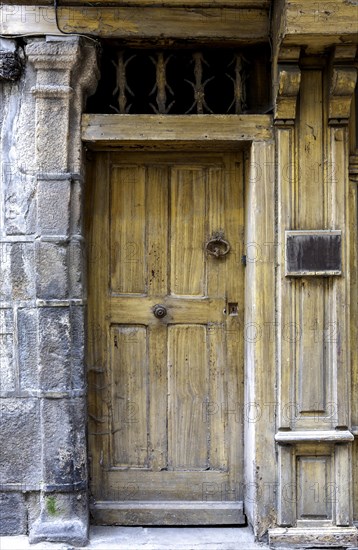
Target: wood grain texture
188 391
138 23
188 215
172 385
107 129
129 385
128 230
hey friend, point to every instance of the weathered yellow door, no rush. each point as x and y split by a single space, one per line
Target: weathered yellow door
165 340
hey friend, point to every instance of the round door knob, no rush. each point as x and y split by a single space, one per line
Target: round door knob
159 311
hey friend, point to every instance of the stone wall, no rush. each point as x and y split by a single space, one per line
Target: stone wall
43 467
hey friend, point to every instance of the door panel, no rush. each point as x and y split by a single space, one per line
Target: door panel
165 433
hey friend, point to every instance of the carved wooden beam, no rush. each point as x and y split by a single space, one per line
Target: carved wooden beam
133 23
342 84
286 84
353 170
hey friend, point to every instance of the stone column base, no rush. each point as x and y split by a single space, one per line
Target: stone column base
304 537
74 532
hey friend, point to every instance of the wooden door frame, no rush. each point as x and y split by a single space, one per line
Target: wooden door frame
210 132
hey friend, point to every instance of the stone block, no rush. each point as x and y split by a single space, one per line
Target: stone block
53 207
52 272
20 200
20 441
64 455
13 516
27 322
7 371
23 271
78 347
76 207
76 267
5 273
55 348
52 130
79 419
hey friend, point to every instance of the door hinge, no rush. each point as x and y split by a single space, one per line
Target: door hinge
243 260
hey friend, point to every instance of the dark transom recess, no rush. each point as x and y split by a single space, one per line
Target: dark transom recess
200 81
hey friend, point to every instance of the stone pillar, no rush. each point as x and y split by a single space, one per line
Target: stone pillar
43 273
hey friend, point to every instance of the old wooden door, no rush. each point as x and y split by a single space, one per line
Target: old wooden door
165 338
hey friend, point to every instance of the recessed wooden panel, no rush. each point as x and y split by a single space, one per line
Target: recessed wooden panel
188 214
188 391
157 192
129 395
308 336
314 490
127 230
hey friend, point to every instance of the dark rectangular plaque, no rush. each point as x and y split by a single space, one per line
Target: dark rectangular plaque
314 253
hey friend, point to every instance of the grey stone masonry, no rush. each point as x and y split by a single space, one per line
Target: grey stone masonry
43 469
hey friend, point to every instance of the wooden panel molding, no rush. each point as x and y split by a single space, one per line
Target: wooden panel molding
338 436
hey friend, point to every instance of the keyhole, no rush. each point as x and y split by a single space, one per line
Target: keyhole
233 308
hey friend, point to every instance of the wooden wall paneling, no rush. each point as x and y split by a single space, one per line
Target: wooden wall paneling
343 484
287 495
312 368
285 327
314 480
339 342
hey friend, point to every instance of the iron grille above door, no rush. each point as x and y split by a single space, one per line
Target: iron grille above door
181 82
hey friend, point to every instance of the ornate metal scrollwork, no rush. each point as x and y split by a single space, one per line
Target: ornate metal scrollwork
174 82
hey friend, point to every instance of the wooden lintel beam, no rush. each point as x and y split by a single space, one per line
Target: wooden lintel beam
238 25
109 129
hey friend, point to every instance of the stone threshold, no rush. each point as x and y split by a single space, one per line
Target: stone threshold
151 538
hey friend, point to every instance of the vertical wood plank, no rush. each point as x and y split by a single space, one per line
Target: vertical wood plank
280 332
188 214
99 428
188 391
286 505
215 222
127 230
343 485
310 192
129 395
157 187
158 388
214 411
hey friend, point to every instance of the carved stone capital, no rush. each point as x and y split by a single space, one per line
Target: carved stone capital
65 71
286 84
343 79
10 66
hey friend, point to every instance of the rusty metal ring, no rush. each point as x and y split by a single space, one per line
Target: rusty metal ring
217 247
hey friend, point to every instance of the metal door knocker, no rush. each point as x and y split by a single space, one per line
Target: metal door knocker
217 246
